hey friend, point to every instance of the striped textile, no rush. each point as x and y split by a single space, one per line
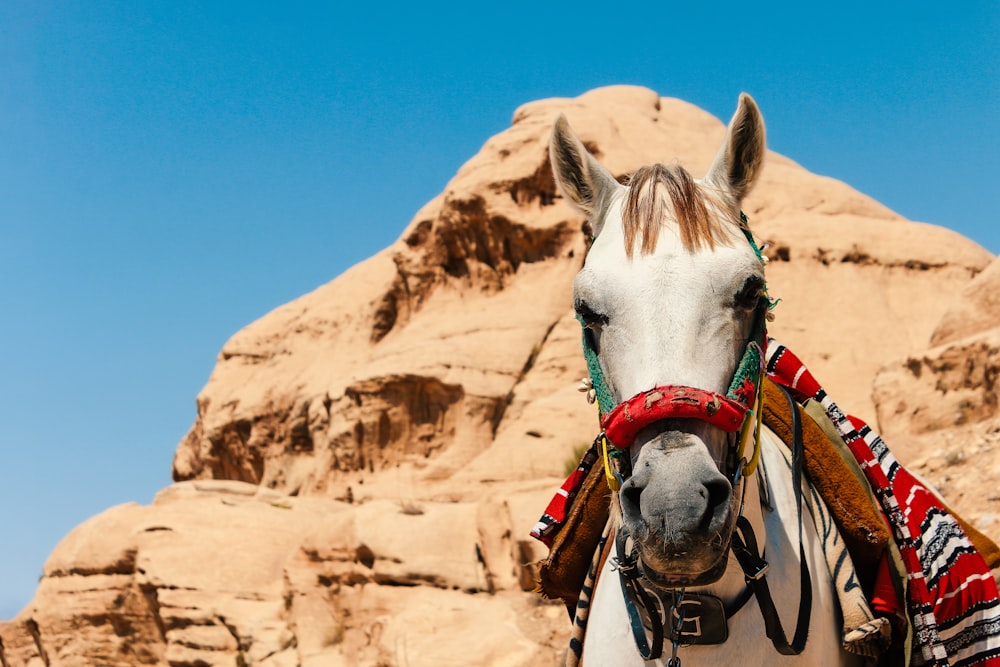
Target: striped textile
552 520
952 599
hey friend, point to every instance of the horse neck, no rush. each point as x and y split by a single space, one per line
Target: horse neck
777 528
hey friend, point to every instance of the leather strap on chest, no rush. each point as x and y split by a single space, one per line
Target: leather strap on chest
754 566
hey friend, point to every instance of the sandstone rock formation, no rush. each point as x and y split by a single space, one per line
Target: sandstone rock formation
941 403
228 573
367 460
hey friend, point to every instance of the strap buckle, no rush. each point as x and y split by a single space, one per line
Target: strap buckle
759 574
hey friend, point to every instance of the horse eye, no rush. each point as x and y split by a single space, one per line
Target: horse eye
590 318
750 294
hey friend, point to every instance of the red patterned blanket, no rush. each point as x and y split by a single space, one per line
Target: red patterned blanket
951 597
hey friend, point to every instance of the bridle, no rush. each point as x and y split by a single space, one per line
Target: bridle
663 606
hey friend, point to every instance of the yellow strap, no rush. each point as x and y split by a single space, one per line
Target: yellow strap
751 466
609 474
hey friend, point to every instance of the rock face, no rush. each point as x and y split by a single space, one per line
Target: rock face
942 402
223 572
367 460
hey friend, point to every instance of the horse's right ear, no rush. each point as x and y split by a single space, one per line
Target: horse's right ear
581 178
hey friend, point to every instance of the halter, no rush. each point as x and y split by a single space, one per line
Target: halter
740 409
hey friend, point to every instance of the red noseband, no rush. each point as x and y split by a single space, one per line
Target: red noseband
670 402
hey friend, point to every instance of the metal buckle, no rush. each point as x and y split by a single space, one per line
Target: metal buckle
627 567
759 573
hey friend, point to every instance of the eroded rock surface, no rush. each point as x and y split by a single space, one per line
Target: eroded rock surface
941 402
224 572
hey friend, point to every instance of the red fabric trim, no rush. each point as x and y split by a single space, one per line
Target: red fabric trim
670 402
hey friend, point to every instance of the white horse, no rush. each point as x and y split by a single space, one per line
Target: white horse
671 294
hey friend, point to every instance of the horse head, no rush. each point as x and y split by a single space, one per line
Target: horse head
670 296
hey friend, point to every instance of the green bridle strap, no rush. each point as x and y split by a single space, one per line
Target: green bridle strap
745 227
752 362
604 400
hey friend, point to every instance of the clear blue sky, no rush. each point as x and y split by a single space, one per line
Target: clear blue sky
170 172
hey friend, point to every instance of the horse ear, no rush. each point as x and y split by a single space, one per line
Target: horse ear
580 177
738 162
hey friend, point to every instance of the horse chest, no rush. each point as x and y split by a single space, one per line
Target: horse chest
609 640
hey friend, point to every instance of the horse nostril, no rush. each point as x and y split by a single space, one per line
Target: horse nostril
716 493
629 497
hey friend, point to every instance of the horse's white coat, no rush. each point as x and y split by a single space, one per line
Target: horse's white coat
669 317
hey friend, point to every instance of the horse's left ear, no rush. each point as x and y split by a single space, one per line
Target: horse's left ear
738 162
581 178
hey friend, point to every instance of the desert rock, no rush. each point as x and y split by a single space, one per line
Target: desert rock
940 403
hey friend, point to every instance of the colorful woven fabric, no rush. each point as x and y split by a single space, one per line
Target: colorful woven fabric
952 599
558 508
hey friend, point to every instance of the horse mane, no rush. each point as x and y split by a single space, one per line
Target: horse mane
653 191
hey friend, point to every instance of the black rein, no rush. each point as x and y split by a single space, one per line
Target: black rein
745 549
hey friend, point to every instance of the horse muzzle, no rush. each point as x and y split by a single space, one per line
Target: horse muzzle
680 510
